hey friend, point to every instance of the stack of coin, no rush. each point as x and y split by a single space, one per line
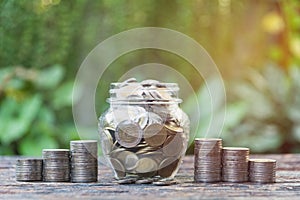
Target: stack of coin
56 166
29 170
235 164
262 170
84 161
207 160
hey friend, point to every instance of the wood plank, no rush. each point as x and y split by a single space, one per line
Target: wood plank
286 186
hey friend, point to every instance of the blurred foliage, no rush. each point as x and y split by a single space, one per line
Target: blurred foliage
262 111
271 119
43 42
32 106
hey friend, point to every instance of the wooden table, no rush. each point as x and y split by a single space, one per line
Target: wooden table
287 185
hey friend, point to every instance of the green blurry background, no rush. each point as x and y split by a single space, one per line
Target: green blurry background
255 44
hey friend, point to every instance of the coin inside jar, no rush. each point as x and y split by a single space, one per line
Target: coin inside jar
155 134
106 142
128 159
167 166
118 167
173 128
173 145
146 165
128 133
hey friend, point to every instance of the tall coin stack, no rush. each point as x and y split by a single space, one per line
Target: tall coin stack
207 160
84 162
262 170
29 170
56 167
235 164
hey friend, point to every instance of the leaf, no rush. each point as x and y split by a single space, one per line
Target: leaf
46 115
296 132
277 83
70 132
33 146
267 138
260 106
255 135
294 73
235 112
293 106
4 72
50 77
16 117
63 95
5 150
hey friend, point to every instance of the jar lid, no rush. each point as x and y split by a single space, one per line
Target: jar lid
147 91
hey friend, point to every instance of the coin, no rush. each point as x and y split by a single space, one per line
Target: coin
155 134
168 166
160 94
154 118
149 82
128 90
128 159
235 164
84 160
164 182
162 111
56 165
127 180
29 169
146 167
128 133
173 128
262 170
126 112
126 82
207 159
142 119
106 142
146 180
173 146
118 167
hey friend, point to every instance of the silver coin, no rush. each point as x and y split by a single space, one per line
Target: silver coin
207 155
128 134
127 180
164 182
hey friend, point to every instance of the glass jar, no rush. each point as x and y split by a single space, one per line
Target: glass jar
144 132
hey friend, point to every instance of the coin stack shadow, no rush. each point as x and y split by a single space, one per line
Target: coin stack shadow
207 164
29 170
84 161
56 165
235 164
262 170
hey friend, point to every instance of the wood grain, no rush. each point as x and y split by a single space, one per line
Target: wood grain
287 185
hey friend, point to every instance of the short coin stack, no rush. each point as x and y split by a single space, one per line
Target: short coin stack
56 166
84 162
207 160
29 170
262 170
235 164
